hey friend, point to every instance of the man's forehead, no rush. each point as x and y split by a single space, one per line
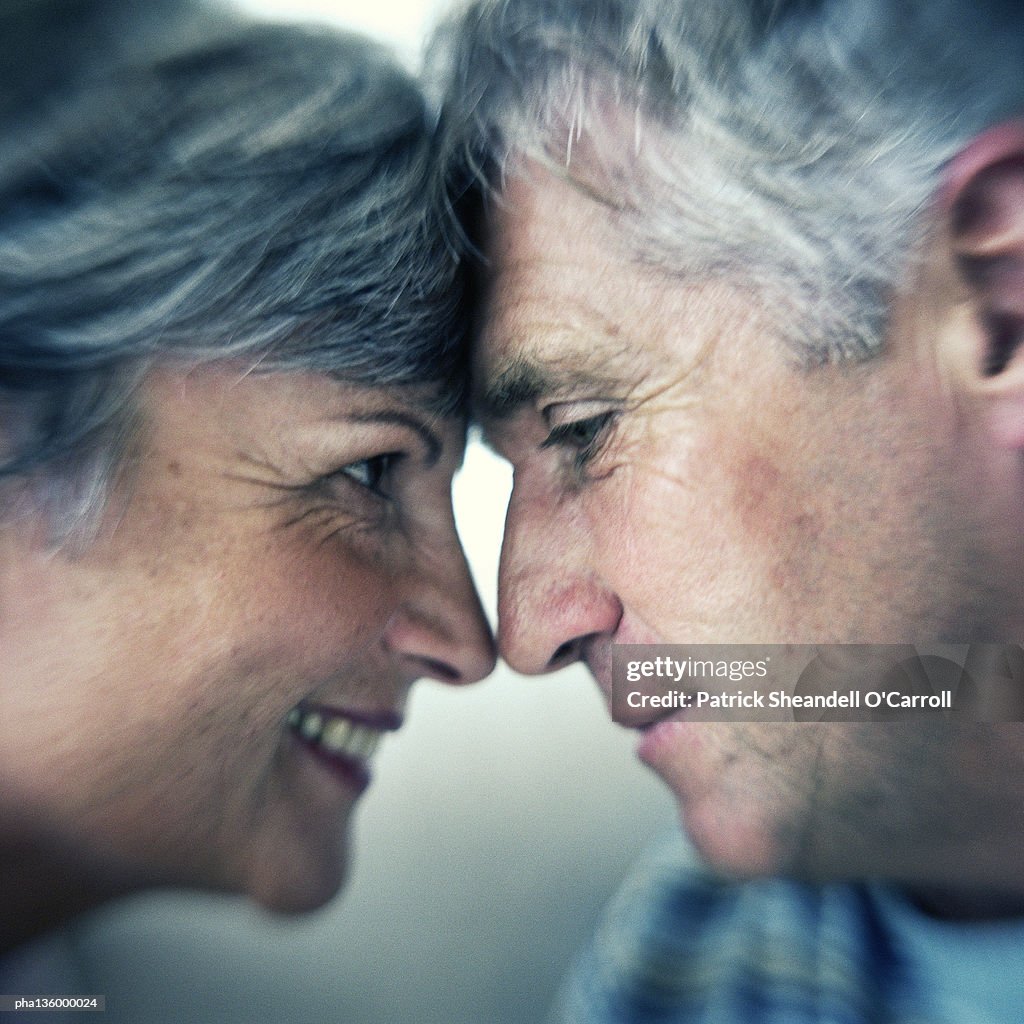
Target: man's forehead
542 218
571 312
548 325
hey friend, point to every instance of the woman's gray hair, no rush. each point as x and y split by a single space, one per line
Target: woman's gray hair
265 196
787 145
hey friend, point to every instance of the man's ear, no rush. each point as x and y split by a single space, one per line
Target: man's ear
983 199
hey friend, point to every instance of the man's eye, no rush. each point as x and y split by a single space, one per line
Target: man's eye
371 473
579 434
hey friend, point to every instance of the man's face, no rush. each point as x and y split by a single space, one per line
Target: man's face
194 698
680 479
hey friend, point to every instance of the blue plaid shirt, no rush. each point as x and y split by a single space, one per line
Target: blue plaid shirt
680 945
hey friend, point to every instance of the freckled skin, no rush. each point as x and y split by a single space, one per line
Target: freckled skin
239 570
738 497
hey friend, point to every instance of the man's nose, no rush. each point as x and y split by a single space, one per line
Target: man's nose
440 630
550 597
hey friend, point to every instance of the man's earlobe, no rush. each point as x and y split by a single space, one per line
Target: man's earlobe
984 197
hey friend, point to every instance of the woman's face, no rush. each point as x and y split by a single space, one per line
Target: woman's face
195 697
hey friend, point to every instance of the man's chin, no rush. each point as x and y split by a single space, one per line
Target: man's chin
732 857
733 842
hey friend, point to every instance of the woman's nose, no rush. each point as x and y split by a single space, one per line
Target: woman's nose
440 629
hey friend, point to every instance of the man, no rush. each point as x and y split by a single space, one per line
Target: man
752 344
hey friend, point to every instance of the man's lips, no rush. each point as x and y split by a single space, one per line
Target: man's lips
342 740
660 735
644 723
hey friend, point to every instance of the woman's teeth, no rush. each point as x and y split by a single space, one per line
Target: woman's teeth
335 735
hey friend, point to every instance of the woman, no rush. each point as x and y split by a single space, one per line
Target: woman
231 370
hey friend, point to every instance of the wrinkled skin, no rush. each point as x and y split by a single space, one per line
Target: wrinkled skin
280 538
679 478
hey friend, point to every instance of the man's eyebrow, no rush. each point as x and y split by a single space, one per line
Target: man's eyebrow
430 440
519 383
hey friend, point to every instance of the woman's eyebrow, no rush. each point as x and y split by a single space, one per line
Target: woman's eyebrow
403 419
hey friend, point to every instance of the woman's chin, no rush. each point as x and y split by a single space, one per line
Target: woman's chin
299 881
288 895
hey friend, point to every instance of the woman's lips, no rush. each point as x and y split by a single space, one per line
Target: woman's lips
341 741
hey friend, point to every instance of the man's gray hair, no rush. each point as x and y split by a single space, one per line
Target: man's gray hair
787 146
265 196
